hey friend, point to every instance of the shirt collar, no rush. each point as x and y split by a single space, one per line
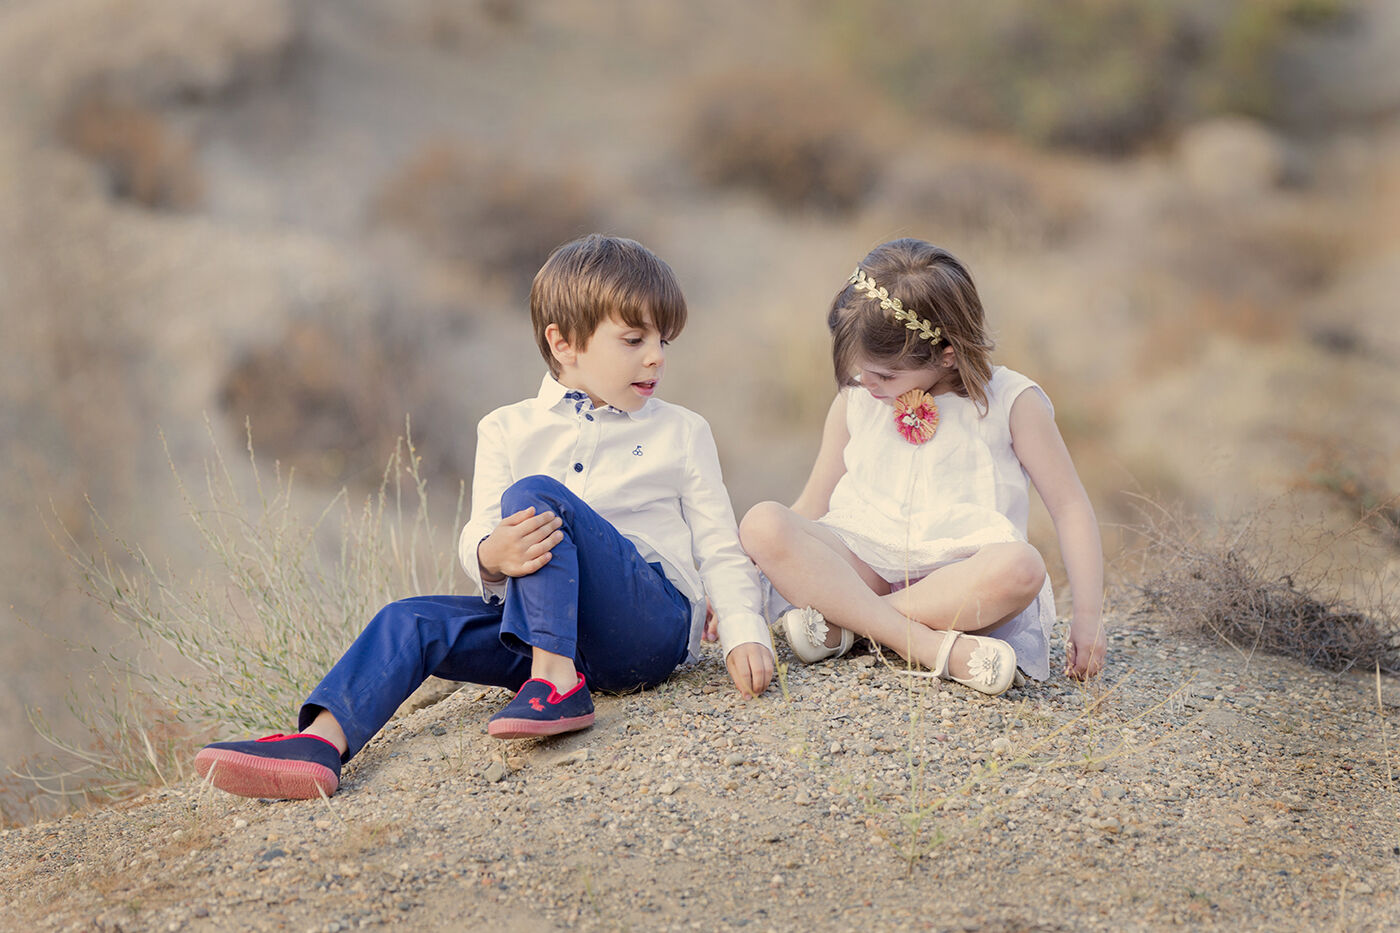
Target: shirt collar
553 393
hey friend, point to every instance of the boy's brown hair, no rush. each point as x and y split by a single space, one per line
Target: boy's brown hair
588 280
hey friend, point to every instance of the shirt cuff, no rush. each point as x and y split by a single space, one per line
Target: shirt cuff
493 593
741 628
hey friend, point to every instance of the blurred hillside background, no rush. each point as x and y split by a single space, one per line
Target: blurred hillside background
319 216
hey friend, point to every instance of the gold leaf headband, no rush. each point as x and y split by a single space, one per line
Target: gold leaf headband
912 321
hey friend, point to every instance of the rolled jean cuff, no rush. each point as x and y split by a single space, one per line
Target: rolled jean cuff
514 638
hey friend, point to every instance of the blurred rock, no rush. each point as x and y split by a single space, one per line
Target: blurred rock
1232 157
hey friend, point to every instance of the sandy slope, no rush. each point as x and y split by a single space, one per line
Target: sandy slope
1191 787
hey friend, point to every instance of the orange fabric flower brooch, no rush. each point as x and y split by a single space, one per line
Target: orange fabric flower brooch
916 416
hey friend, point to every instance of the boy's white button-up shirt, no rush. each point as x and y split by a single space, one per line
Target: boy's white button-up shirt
654 474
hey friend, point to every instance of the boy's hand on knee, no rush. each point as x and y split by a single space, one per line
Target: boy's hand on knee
520 545
751 668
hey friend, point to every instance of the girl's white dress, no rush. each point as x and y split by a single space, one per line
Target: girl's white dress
907 509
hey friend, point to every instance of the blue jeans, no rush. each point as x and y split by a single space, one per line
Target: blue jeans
596 601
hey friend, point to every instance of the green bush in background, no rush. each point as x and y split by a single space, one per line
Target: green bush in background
1101 75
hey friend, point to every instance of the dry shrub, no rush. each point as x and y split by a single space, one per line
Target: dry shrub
1102 75
489 210
19 803
463 27
984 197
1250 278
143 159
326 398
453 25
1233 586
1364 492
1270 251
799 141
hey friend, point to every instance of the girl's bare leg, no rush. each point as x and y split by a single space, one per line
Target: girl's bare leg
810 566
986 589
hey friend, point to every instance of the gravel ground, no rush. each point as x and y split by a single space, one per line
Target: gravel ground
1186 787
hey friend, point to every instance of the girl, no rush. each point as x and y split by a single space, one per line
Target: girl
911 530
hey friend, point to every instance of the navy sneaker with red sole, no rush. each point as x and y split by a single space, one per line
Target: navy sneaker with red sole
539 709
274 767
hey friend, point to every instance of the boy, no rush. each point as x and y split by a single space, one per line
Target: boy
600 528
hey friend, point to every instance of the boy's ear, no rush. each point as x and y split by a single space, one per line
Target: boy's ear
563 351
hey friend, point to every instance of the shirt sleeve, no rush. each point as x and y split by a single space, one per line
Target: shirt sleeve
1007 386
490 479
729 578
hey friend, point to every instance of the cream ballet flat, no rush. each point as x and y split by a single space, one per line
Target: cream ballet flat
991 669
806 632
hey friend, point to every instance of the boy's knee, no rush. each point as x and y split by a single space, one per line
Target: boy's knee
764 528
398 612
543 492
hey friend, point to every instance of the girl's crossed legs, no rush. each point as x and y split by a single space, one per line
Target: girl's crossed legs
810 566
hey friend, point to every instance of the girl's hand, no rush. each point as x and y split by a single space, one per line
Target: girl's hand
520 545
1085 650
751 668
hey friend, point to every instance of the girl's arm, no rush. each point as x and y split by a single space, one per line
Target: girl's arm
1041 450
829 466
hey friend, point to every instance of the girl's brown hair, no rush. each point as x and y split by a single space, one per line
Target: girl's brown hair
936 286
588 280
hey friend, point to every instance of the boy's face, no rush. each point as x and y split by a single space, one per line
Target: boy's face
620 365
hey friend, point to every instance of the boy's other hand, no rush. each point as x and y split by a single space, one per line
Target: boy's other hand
520 545
751 668
711 631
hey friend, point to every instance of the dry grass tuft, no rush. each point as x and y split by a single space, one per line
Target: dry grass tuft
1229 584
235 648
795 139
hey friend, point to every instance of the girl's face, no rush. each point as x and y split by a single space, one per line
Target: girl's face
888 383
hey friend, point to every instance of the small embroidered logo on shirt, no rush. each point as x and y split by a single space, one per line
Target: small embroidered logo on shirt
637 451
